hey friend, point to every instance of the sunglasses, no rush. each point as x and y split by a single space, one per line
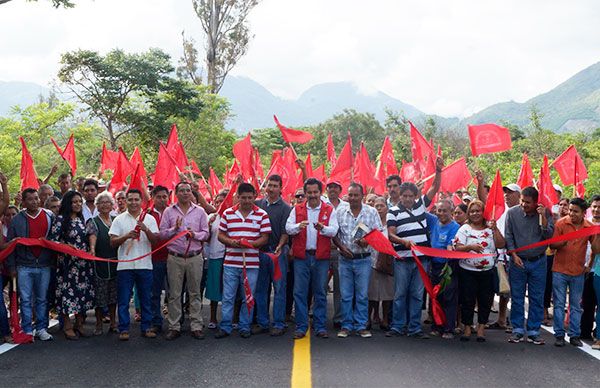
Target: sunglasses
299 195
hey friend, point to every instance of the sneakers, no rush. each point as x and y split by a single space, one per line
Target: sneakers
535 339
560 342
394 333
576 341
124 336
43 335
364 333
448 336
516 338
149 333
212 325
343 333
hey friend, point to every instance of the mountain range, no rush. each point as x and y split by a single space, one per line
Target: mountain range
574 105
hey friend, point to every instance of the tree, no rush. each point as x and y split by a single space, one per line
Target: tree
227 35
55 3
127 92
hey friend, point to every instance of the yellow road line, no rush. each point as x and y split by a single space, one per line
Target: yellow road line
301 371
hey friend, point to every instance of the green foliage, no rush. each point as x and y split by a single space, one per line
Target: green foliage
37 123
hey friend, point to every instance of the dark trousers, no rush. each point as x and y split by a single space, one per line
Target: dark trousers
548 290
588 303
449 297
476 286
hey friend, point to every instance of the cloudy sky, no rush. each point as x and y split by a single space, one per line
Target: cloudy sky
445 57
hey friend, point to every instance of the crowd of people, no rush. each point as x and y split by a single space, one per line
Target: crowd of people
270 264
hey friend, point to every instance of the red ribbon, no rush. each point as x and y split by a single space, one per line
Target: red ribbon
69 250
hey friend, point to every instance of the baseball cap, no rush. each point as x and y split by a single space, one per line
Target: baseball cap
512 187
334 182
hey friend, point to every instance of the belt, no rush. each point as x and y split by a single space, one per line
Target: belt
531 259
358 256
190 254
311 252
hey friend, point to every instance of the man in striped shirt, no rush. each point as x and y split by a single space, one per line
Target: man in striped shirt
249 222
407 226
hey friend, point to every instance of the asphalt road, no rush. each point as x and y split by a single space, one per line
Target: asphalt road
265 361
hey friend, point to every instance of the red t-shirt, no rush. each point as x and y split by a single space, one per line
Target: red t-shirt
38 227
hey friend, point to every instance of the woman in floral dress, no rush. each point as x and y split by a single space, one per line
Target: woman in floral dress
476 276
74 276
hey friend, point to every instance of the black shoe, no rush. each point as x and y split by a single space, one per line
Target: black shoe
560 342
419 335
259 330
221 334
394 333
245 334
576 341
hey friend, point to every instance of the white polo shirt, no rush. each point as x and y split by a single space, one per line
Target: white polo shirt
123 224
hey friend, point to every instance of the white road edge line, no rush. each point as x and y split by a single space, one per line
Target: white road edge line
6 347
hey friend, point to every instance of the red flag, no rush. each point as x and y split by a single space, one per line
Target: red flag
363 169
232 174
68 154
319 173
386 166
547 194
494 205
455 176
578 187
489 138
309 166
136 158
408 172
122 171
243 152
18 336
526 173
342 171
421 150
258 168
380 243
180 157
195 168
276 268
173 141
137 182
227 201
456 200
166 173
215 184
249 299
330 150
565 166
109 159
293 135
28 175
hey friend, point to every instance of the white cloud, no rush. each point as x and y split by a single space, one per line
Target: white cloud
444 57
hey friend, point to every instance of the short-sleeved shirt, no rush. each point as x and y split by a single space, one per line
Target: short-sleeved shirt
467 235
442 236
410 227
213 248
570 259
237 227
278 212
131 248
351 228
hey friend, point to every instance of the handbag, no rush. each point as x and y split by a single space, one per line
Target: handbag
385 264
503 285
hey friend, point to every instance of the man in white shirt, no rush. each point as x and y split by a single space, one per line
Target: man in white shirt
134 238
313 224
90 191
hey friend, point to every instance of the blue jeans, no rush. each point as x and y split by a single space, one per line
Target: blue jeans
265 277
354 283
142 279
408 296
533 279
560 282
313 272
233 282
159 273
597 291
4 328
33 283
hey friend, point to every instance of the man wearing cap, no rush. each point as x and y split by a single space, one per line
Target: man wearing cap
334 190
555 208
